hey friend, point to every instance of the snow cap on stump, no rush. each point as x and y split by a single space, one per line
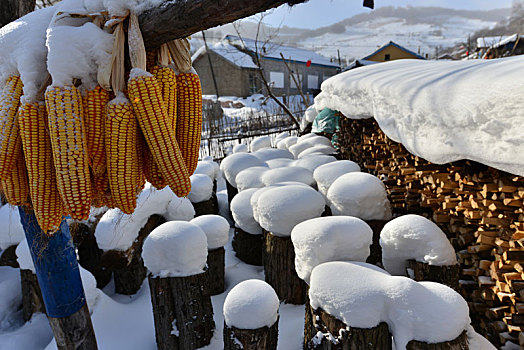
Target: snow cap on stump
319 149
175 249
201 188
266 154
240 148
279 209
292 173
312 162
11 230
359 194
363 295
279 163
250 178
332 238
243 212
326 174
216 229
207 168
414 237
259 143
260 191
235 163
287 142
281 136
251 304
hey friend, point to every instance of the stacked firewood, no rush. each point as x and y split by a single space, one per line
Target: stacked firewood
480 209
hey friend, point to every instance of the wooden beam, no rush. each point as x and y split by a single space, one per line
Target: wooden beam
176 19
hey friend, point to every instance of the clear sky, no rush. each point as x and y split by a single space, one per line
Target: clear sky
319 13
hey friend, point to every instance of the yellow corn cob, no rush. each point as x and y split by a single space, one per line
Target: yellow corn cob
166 77
101 191
152 171
123 162
38 154
10 143
189 118
66 129
95 102
16 185
146 97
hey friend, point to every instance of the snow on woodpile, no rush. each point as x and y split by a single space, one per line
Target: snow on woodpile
201 188
292 173
287 142
313 161
414 237
439 110
259 143
362 295
216 229
279 163
266 154
280 208
250 178
235 163
332 238
240 148
11 230
359 194
242 212
175 249
251 304
118 231
326 174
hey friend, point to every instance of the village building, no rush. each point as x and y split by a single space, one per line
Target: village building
390 52
232 61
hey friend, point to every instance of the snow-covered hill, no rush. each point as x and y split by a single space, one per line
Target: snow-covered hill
420 29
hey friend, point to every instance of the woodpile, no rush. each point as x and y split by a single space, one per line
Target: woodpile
479 208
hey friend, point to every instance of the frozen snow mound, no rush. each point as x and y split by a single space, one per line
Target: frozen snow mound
175 249
359 194
287 142
206 168
201 188
362 295
259 143
279 163
414 237
440 110
251 304
118 231
326 174
235 163
292 173
282 208
216 229
281 137
242 212
321 149
312 162
250 178
332 238
306 136
23 256
254 197
11 230
240 148
266 154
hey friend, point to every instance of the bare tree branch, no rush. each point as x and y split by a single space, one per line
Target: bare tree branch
179 18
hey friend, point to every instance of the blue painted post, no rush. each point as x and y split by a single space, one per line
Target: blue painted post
58 275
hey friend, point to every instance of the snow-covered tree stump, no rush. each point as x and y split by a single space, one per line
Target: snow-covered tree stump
459 343
216 229
175 254
375 256
248 247
8 257
279 267
251 317
32 300
201 195
207 207
447 275
231 191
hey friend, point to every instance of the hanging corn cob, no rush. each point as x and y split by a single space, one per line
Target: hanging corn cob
146 96
166 78
102 196
66 128
95 102
10 143
47 204
152 171
16 185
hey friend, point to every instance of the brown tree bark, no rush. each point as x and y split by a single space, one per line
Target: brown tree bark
459 343
216 271
8 257
447 275
248 247
10 10
206 207
251 339
32 300
375 251
74 332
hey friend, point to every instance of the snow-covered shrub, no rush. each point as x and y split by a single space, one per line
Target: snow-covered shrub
293 173
414 237
326 174
216 229
242 212
201 188
240 148
259 143
11 230
332 238
266 154
362 295
251 304
359 194
312 162
175 249
235 163
250 178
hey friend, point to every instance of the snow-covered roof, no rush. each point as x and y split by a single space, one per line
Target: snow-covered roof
273 50
441 111
391 43
229 52
495 41
360 63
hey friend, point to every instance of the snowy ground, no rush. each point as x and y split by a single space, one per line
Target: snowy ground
126 322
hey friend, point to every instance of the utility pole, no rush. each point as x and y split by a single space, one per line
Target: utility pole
339 61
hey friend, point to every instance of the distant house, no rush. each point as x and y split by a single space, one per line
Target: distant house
500 46
390 52
236 73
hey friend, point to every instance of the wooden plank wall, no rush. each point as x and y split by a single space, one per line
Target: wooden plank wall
478 207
